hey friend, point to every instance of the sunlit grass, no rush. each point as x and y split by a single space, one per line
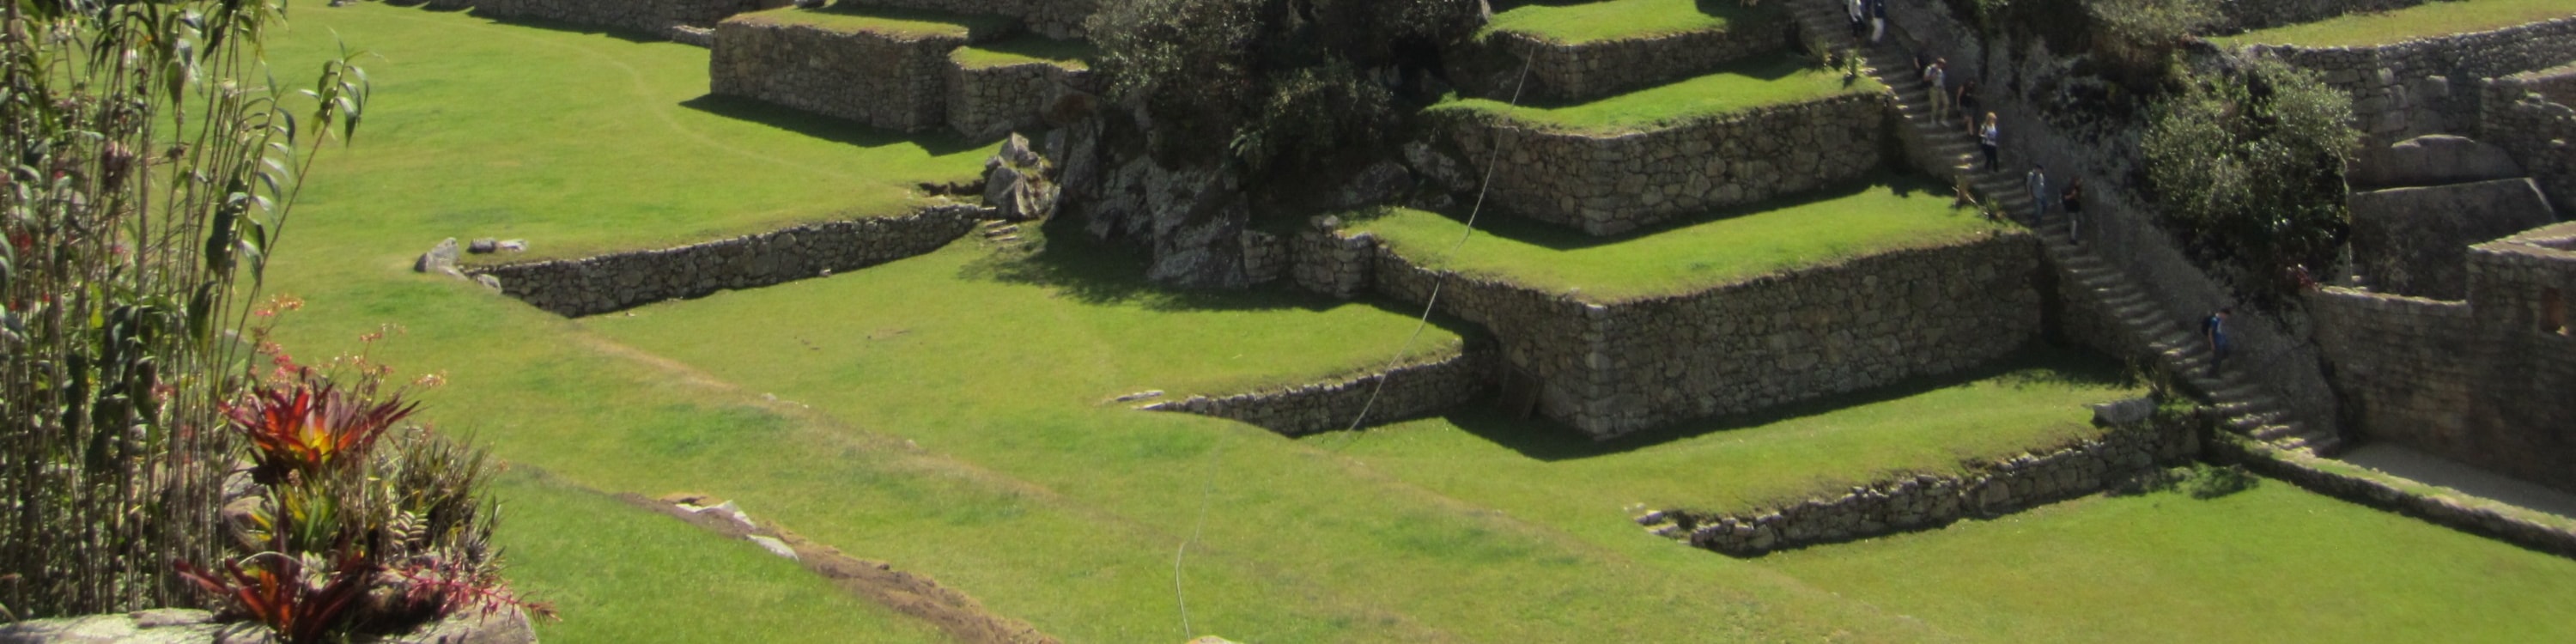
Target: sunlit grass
2431 19
1756 82
1580 22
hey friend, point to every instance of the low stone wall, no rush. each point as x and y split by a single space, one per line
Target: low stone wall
2483 381
888 81
1606 184
594 285
2248 15
986 103
646 16
1989 488
1333 264
1055 18
2539 134
1410 391
2555 85
2423 86
1616 368
191 626
1490 66
2494 520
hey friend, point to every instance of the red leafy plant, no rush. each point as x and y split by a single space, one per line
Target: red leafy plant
352 520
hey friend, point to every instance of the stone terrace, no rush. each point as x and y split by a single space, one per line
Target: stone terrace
897 69
1645 43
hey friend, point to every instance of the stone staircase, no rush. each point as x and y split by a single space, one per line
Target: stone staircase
2247 407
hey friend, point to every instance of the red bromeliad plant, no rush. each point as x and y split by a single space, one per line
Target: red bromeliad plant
308 425
296 602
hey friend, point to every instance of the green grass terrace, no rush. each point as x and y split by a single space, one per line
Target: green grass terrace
1773 79
1024 49
906 23
1577 22
1887 213
2428 20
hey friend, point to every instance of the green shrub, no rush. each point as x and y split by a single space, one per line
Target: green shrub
2247 161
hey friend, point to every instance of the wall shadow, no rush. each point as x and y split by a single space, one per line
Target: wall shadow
1563 238
1545 440
828 128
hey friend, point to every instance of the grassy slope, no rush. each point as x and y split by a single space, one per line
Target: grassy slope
909 23
584 144
1755 82
2426 20
1069 54
956 425
610 571
1720 248
1580 22
2270 564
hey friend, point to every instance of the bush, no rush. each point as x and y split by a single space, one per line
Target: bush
2248 162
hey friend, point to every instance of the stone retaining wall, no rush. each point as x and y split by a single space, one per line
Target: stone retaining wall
1925 501
2494 520
1055 18
646 16
2248 15
888 81
2424 86
192 626
1410 391
594 285
2540 134
1616 368
2484 381
1606 184
986 103
1490 66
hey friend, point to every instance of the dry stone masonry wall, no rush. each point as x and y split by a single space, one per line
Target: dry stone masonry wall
1927 501
1616 368
1410 391
2518 526
594 285
988 102
2248 15
647 16
2539 132
897 82
2424 86
2483 381
1606 184
1491 65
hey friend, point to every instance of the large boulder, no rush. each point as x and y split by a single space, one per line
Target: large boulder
1016 181
2432 160
2415 241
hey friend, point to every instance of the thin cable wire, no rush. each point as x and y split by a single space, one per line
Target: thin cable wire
1207 482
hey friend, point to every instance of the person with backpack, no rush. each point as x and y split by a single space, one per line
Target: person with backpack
2214 329
2037 182
2072 203
1937 77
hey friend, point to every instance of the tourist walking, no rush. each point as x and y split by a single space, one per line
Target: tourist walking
1966 104
1937 76
2214 330
1877 20
2072 203
2037 181
1859 13
1990 141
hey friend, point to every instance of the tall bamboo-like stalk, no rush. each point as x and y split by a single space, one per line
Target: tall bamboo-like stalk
150 166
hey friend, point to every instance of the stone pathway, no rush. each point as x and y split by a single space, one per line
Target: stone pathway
2249 408
2431 470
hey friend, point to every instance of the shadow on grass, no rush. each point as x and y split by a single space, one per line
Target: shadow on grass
1547 440
1561 238
620 33
828 128
1767 67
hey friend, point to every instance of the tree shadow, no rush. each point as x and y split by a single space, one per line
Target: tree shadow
828 128
1104 273
1546 440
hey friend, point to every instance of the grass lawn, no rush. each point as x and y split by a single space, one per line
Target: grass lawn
948 413
910 23
2431 19
1888 213
610 570
1755 82
1582 22
634 153
2270 564
1026 48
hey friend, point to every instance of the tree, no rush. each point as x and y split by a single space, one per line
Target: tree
2248 163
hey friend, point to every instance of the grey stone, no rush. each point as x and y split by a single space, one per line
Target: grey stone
2433 160
773 545
2415 241
441 258
489 282
1381 182
2123 412
483 246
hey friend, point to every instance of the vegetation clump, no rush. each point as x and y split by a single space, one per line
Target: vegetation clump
2248 161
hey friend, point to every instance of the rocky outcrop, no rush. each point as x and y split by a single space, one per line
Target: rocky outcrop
1366 400
594 285
1989 488
1018 184
1610 183
191 626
